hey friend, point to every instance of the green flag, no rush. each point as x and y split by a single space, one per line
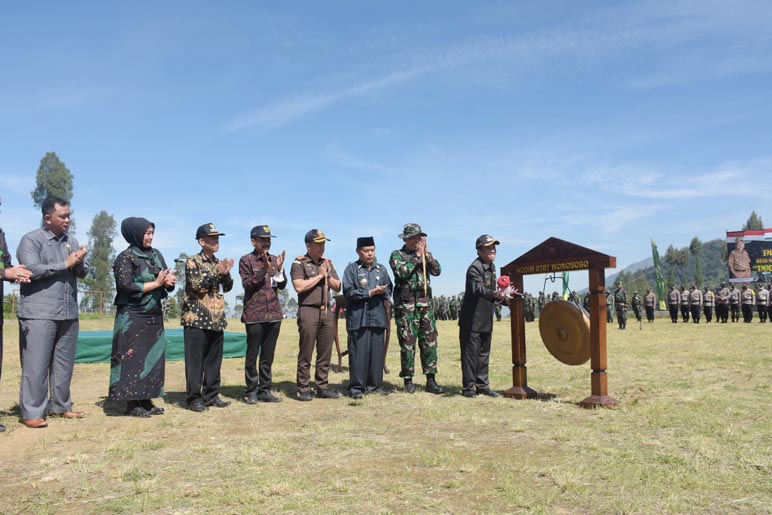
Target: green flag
658 273
565 285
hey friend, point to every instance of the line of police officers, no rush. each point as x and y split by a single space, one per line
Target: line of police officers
692 304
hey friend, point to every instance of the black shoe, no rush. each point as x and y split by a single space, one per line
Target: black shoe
250 398
267 397
197 406
487 391
217 402
327 394
469 393
151 408
356 395
305 396
409 386
2 428
432 386
137 411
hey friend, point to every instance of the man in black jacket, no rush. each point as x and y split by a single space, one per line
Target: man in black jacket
476 319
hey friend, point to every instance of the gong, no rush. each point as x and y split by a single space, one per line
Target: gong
565 331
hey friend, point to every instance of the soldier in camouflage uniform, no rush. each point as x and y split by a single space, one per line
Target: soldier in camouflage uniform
453 307
620 305
529 304
445 308
609 306
414 312
541 301
637 306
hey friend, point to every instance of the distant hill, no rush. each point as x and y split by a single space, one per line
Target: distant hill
640 275
631 269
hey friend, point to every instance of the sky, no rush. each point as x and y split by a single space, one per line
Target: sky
602 123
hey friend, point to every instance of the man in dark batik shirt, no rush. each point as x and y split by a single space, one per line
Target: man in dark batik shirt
203 319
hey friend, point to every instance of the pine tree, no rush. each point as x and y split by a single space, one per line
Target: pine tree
754 223
100 259
53 180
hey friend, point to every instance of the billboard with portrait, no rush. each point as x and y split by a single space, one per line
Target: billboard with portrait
749 255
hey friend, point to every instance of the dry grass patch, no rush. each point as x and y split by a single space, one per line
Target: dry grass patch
692 434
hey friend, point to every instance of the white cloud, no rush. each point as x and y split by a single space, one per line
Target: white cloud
642 180
733 41
21 185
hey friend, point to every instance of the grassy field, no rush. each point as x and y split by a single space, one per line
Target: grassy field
692 434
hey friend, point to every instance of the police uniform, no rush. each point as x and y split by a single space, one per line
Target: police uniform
708 302
746 298
722 304
316 323
739 262
684 304
673 302
414 311
695 303
762 299
649 301
734 303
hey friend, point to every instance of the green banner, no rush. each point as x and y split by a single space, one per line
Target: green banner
660 279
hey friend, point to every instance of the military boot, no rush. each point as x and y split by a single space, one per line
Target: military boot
432 386
409 386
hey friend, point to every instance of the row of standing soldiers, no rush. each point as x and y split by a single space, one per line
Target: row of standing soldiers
446 308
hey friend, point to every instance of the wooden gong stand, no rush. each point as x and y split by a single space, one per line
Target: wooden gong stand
552 256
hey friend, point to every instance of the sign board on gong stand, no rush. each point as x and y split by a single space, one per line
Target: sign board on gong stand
553 256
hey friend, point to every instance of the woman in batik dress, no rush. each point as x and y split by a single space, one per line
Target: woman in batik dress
142 280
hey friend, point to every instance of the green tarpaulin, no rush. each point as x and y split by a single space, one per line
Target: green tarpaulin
96 346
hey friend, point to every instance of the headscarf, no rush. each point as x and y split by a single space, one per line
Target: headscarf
133 230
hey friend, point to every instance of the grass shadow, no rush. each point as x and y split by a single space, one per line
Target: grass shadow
111 408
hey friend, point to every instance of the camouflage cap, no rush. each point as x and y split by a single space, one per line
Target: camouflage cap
260 231
486 240
411 230
316 236
208 230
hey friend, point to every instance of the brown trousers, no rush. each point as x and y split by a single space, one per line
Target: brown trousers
317 329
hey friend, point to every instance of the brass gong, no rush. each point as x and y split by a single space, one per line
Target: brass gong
565 331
